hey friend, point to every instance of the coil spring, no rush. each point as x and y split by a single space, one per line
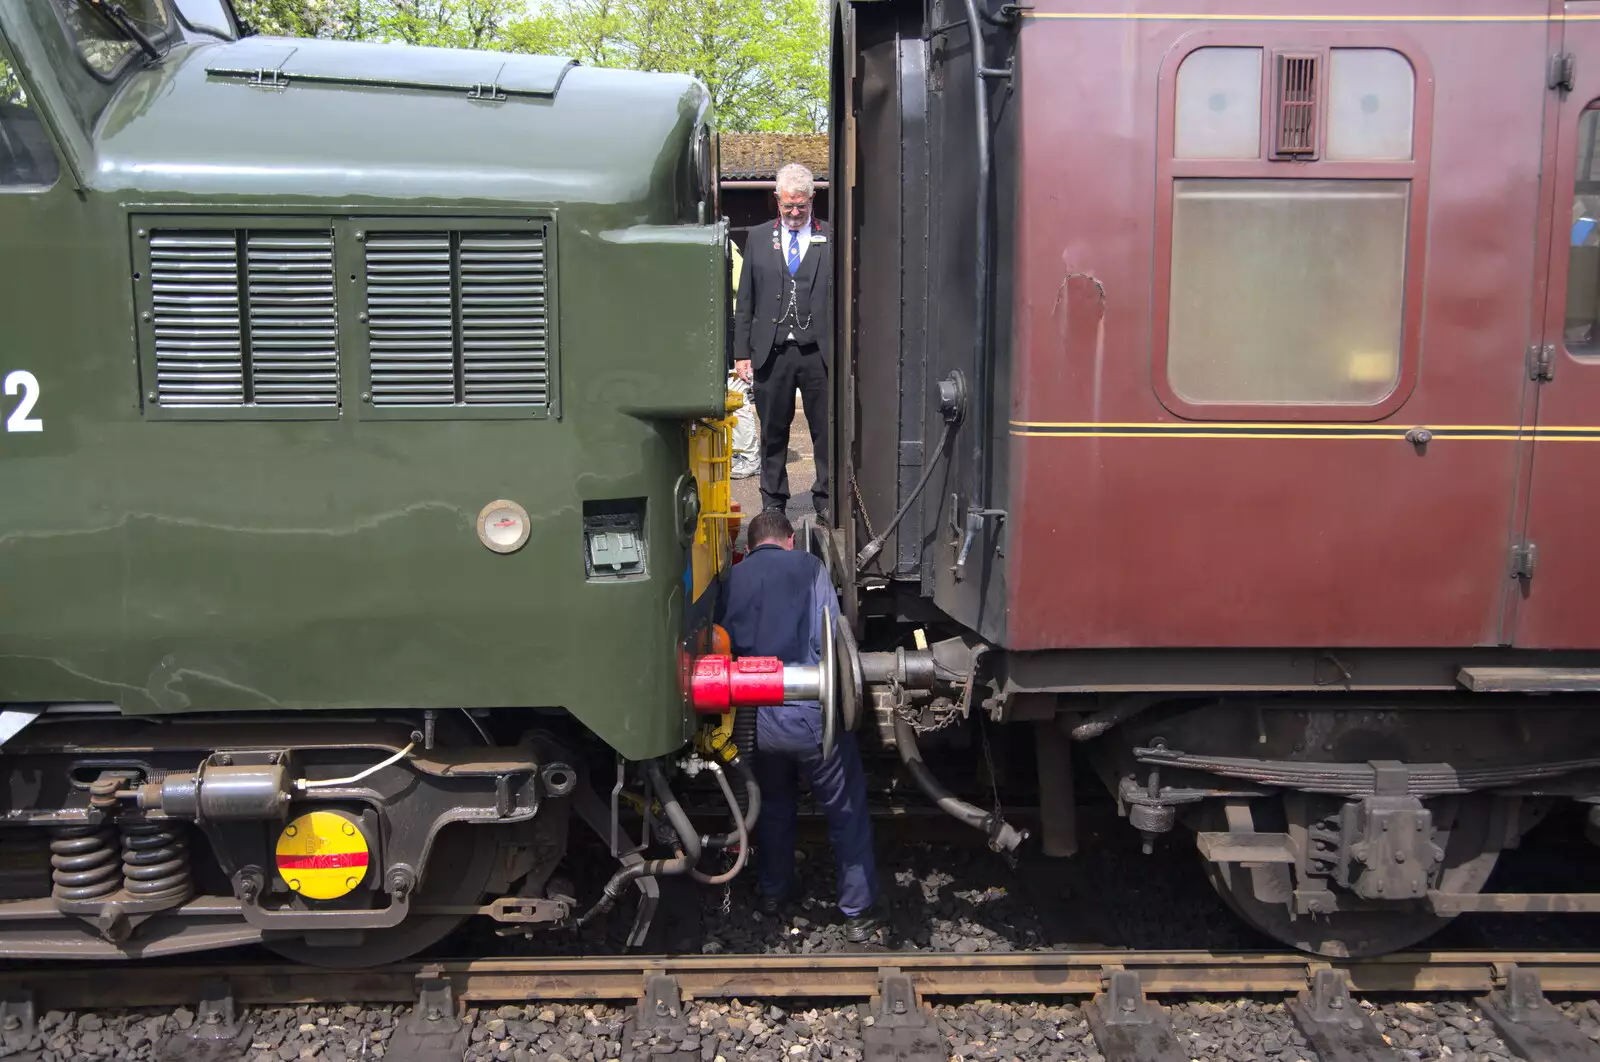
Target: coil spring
83 861
155 861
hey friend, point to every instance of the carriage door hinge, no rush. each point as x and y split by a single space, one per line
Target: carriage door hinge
1524 559
1542 362
1563 69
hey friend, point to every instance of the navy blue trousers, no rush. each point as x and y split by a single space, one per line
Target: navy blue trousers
789 742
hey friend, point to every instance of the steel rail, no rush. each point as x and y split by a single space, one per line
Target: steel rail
1077 972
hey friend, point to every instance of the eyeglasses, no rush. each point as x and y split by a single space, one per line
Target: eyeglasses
794 208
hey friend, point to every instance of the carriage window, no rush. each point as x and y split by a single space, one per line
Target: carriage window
1219 104
1293 180
1286 291
1582 326
1370 97
26 158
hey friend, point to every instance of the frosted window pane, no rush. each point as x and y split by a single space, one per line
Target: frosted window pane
1286 291
1370 97
1582 333
1219 104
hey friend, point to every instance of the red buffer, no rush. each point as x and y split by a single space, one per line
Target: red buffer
720 682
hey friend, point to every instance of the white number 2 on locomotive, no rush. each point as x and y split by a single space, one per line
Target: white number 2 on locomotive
27 385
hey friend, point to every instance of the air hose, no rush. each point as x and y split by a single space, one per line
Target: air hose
875 547
687 851
741 834
746 810
1001 834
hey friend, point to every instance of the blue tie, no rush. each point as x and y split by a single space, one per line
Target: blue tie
794 251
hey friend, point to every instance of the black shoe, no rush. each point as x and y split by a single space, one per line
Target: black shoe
775 507
861 928
771 905
822 514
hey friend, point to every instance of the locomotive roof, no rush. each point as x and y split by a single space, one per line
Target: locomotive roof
272 119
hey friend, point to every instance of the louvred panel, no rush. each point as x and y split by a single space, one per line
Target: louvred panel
243 319
458 318
1297 104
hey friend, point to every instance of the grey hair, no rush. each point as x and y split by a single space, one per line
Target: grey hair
796 178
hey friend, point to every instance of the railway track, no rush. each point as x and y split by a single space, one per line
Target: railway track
1114 988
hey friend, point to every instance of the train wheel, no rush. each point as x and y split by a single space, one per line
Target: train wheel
1469 859
459 873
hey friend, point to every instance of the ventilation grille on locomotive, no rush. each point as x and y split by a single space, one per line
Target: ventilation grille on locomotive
243 318
1296 134
457 319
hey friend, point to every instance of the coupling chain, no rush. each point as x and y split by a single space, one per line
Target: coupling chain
943 717
861 506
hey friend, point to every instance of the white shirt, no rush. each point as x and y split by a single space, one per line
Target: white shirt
805 241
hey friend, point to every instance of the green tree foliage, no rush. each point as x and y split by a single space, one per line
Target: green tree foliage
764 61
10 86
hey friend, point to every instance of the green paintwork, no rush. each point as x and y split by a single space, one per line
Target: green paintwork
198 565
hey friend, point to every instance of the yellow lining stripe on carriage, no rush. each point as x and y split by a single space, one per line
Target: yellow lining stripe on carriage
1143 16
1281 430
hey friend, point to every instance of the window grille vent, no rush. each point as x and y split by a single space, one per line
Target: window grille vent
263 335
1297 105
458 319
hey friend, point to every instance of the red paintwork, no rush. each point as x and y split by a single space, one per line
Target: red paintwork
1562 609
1171 541
721 682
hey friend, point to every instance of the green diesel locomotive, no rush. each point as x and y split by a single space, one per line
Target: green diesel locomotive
350 396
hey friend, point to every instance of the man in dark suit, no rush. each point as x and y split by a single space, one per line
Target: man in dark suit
783 324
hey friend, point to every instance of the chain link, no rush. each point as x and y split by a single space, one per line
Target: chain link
988 758
791 309
944 716
861 506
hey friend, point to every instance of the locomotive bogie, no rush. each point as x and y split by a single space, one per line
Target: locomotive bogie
357 840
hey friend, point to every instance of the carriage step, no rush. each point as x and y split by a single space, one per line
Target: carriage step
1529 679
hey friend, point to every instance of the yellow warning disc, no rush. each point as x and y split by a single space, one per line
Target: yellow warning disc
322 855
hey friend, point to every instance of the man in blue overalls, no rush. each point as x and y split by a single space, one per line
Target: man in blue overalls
773 607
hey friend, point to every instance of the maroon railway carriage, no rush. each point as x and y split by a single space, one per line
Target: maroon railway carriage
1270 336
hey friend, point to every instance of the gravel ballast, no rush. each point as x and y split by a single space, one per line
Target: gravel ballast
1236 1030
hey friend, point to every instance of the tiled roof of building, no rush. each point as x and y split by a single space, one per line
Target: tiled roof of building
757 156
